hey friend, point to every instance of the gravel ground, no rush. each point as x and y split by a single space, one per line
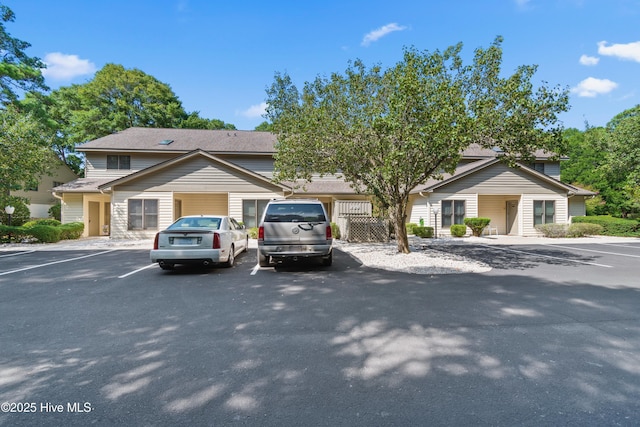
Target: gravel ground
421 260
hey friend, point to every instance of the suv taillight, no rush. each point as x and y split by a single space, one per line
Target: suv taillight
261 233
328 232
216 241
155 241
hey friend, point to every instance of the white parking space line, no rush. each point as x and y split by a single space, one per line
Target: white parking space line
255 269
547 256
137 271
16 254
55 262
620 245
593 250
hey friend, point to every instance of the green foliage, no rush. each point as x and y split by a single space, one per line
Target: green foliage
584 229
458 230
612 226
569 230
264 127
607 160
21 213
335 231
253 232
12 233
55 211
47 221
44 233
194 121
25 153
71 230
409 226
18 72
553 230
388 131
477 225
424 232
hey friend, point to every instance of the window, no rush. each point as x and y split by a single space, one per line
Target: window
143 214
252 212
538 167
118 162
544 212
452 212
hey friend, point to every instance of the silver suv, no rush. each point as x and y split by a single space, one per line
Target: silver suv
293 229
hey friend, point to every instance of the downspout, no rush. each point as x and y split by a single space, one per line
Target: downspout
428 208
570 194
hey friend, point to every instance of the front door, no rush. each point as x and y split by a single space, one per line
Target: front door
94 218
512 217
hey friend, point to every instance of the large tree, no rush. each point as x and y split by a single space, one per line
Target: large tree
118 98
18 71
622 157
25 152
388 131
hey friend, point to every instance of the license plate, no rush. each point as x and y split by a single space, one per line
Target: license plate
184 240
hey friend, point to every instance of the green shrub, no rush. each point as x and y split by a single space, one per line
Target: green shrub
253 232
12 233
553 230
44 233
424 232
55 211
612 226
458 230
20 214
583 229
335 231
476 225
47 221
71 231
410 226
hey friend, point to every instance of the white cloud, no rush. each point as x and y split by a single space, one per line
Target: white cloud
65 67
592 87
255 111
589 60
381 32
629 51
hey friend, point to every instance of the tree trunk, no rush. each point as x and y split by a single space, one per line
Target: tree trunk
398 215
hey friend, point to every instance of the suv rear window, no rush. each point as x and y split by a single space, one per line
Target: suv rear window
295 212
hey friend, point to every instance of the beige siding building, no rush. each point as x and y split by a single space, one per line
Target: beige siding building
140 180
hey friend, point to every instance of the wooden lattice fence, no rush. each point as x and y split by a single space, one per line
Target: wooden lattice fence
366 229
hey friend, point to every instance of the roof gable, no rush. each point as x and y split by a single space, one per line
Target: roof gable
480 166
169 165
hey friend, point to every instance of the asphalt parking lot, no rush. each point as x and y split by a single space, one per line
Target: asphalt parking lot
550 336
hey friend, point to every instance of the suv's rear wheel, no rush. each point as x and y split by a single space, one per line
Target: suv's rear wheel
328 260
263 261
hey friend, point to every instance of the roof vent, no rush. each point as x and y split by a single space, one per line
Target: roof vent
165 142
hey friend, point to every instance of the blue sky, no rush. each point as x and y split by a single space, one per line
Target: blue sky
219 56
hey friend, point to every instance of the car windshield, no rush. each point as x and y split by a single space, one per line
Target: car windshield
197 222
295 212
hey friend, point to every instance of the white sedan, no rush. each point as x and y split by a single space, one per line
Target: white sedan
200 239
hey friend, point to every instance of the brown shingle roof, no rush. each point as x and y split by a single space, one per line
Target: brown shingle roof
184 140
217 141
